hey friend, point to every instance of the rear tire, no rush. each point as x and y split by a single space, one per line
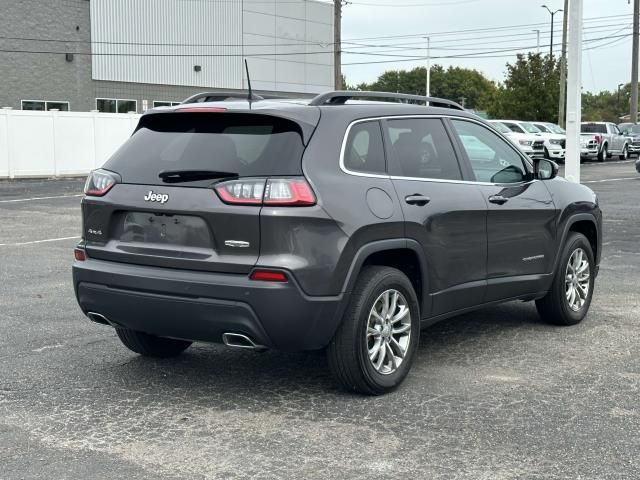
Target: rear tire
559 307
356 351
150 345
603 154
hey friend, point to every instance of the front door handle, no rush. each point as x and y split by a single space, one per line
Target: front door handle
498 199
417 199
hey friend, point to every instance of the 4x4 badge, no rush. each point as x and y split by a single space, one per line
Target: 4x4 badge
156 197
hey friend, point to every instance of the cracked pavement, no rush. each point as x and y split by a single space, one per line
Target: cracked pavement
495 394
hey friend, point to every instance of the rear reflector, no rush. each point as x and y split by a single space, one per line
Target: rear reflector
292 192
268 276
80 254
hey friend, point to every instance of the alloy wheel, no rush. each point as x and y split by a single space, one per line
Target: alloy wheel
388 331
577 279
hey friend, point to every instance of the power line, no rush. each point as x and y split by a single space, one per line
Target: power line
476 55
477 30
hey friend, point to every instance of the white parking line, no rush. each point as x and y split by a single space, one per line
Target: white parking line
37 241
611 180
15 200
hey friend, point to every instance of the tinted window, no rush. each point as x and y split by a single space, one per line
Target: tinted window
542 128
245 144
593 128
492 159
421 148
514 127
364 151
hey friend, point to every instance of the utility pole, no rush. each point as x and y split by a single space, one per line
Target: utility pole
574 91
563 67
537 40
634 62
428 86
337 44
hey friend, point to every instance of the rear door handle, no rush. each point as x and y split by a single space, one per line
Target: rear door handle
417 199
498 199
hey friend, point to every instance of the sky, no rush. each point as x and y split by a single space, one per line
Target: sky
507 24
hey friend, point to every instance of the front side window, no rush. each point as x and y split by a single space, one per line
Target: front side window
364 150
514 127
492 159
543 128
421 148
529 127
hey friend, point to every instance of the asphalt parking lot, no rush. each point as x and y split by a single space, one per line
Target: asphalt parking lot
495 394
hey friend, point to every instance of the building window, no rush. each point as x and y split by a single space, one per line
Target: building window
42 105
114 105
62 106
163 103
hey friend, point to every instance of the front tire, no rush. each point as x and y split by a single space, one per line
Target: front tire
568 301
150 345
374 347
625 153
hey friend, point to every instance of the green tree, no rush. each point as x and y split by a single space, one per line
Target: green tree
530 91
606 106
454 83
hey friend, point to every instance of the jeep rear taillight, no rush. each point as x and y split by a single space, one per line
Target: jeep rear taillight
99 182
292 192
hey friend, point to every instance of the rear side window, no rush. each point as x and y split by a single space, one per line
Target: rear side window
242 144
421 148
364 151
593 128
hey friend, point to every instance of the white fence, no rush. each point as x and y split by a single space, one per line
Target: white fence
57 144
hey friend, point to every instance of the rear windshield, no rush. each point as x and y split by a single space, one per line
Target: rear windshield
593 128
242 144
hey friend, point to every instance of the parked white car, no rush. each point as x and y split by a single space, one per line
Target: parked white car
555 139
545 147
532 145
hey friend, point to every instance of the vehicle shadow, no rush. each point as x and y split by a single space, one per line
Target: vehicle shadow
230 376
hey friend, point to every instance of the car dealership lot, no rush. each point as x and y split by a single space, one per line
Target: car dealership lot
495 394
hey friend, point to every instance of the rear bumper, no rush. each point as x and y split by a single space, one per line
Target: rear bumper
201 306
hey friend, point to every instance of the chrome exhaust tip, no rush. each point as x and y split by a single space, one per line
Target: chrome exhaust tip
238 340
98 318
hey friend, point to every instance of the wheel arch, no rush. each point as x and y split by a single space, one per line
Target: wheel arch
404 254
586 224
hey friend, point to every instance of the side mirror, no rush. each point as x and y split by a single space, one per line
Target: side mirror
545 169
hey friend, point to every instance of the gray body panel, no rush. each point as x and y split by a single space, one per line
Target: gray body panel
466 251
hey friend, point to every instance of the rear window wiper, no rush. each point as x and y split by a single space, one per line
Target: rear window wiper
176 176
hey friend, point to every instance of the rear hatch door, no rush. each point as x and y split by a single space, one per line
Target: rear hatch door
164 210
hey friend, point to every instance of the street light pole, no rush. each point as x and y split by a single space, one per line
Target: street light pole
538 39
618 102
428 86
552 15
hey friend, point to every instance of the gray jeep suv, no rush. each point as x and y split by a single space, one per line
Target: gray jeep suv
347 222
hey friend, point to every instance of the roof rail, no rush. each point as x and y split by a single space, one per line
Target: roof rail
221 96
340 97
